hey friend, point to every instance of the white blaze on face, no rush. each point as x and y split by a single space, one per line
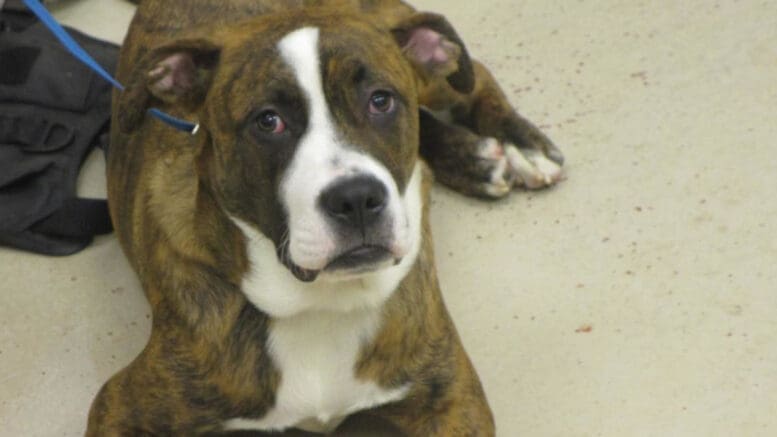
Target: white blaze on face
320 158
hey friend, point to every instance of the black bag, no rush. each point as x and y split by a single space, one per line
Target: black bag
53 112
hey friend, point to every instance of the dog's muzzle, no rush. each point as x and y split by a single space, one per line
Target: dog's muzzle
356 208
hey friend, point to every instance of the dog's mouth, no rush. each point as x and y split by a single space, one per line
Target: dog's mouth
361 259
304 275
353 262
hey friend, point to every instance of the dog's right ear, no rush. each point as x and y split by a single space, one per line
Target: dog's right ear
177 74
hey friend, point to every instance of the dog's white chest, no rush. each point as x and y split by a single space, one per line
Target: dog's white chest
316 354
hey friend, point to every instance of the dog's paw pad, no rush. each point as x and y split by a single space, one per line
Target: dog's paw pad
500 176
532 169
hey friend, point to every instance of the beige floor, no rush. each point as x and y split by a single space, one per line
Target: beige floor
638 298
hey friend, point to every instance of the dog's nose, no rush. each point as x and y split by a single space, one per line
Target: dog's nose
356 202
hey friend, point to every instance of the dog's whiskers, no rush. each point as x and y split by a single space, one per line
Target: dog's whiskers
283 246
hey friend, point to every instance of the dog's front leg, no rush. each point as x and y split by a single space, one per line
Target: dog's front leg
143 400
536 161
447 401
119 409
464 161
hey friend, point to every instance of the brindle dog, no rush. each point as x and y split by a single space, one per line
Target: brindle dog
285 248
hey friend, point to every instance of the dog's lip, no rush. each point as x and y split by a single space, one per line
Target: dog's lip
360 258
355 261
304 275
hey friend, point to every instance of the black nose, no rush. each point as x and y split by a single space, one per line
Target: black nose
356 202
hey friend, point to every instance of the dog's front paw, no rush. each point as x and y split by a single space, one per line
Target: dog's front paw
493 163
531 168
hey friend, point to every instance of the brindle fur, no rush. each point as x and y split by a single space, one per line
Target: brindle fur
207 358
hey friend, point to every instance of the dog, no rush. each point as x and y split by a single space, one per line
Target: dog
285 248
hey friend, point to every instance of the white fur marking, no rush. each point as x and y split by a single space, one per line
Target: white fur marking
317 352
532 169
491 149
322 157
551 172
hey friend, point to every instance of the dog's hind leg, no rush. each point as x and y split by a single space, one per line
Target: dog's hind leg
464 161
532 155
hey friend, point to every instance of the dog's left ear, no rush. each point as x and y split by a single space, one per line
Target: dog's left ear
435 50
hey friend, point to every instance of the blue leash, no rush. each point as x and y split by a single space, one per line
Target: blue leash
76 50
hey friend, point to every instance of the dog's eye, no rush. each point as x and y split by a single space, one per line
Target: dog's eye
381 102
270 122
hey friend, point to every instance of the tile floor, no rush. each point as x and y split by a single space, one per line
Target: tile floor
637 298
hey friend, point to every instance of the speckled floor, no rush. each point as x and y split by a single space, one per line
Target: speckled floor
637 298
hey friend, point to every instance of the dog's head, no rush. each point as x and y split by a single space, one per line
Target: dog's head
311 133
